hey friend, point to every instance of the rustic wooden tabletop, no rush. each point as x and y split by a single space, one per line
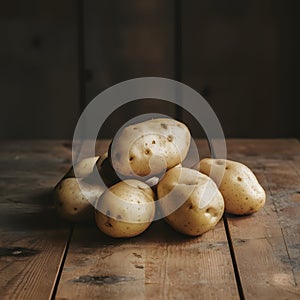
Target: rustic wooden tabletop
251 257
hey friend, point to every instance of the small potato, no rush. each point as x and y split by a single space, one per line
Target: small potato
190 200
150 147
126 209
241 191
71 203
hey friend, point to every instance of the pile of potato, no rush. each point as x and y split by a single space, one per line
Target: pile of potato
144 178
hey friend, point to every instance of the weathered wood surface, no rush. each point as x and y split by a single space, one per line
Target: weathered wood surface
267 244
32 238
160 263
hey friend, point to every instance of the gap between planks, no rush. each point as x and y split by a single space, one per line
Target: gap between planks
62 263
233 259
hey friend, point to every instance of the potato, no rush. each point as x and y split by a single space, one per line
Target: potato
126 209
71 203
83 168
190 200
150 147
241 191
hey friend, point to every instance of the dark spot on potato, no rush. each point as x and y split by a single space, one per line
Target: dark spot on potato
191 206
246 198
138 201
119 217
170 138
153 142
137 255
134 128
164 126
75 208
139 267
147 151
239 178
131 158
226 168
107 224
108 213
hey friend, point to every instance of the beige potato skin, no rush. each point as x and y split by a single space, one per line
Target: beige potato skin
150 147
240 188
126 210
71 203
199 213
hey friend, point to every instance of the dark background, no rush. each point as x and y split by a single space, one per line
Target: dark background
56 55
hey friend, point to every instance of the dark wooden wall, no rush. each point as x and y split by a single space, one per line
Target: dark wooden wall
242 56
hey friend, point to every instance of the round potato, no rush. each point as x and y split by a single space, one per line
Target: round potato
150 147
126 209
190 201
241 191
74 204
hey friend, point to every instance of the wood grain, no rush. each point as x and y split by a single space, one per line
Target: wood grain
266 244
32 238
159 264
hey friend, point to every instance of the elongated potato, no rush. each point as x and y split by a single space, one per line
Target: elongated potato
74 205
150 147
126 209
241 191
190 201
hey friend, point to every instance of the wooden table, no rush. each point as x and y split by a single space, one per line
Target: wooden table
252 257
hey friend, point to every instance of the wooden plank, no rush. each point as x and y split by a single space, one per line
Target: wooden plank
266 244
159 264
216 62
32 238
